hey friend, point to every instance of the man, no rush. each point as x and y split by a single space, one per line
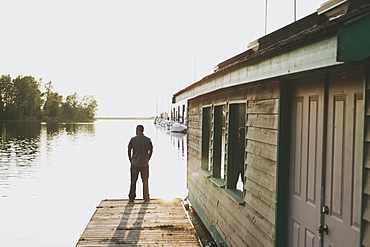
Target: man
140 150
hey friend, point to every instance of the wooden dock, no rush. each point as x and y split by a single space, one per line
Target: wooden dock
156 223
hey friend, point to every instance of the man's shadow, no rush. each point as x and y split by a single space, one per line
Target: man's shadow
127 233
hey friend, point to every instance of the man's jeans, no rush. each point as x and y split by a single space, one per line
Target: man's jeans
144 172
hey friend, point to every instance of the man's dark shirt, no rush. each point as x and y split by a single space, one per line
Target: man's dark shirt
140 144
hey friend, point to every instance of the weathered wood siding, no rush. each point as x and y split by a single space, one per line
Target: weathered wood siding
251 224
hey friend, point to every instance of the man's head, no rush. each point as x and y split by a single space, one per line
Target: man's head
139 129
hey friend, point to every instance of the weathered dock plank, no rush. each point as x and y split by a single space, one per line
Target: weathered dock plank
155 223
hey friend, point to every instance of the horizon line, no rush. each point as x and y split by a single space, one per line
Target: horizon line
124 117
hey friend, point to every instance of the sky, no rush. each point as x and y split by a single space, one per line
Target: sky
132 56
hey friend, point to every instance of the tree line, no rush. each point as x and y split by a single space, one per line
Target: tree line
22 99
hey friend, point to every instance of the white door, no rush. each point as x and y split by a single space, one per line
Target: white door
326 146
344 163
306 160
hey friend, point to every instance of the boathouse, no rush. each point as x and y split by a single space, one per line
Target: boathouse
279 135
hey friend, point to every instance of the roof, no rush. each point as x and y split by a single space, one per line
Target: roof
308 28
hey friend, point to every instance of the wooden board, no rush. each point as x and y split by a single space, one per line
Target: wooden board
156 223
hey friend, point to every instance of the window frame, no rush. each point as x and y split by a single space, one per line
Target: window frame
235 121
206 138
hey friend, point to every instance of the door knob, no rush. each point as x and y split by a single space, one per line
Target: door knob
325 210
323 228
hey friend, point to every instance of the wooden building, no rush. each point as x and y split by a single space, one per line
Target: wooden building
279 135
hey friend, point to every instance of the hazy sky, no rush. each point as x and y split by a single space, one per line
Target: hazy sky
132 55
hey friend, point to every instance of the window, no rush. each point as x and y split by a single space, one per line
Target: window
206 138
219 142
182 118
236 147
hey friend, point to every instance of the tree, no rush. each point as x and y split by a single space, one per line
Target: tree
80 111
70 107
22 99
5 96
27 97
89 105
52 109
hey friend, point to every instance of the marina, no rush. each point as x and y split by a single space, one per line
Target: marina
269 150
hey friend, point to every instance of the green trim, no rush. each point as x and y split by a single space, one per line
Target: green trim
305 57
206 131
212 230
282 166
236 196
217 140
219 182
205 173
237 114
353 41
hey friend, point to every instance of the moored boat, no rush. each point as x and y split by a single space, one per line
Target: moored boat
179 128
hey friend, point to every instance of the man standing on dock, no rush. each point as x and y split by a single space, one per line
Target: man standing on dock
140 150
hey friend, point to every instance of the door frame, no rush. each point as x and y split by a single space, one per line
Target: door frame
284 142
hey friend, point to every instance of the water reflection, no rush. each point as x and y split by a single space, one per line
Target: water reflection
19 129
179 140
55 129
21 144
19 151
69 169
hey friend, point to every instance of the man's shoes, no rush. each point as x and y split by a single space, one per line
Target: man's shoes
147 200
131 200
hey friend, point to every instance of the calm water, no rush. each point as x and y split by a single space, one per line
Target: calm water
53 176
